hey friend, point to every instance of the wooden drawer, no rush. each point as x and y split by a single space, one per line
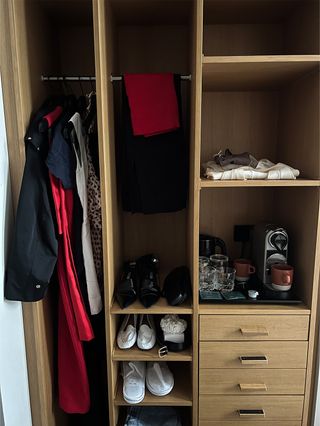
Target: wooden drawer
254 327
252 423
253 382
278 355
212 407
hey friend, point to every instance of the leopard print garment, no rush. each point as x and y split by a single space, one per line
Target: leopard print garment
94 213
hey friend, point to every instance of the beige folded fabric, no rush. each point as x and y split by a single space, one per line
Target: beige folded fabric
265 170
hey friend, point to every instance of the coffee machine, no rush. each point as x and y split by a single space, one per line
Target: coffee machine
270 246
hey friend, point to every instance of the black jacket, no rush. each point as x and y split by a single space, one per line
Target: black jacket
34 247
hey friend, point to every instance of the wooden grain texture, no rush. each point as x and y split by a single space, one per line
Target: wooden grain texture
252 423
243 39
303 236
21 93
214 407
301 32
152 12
221 209
209 183
105 66
253 309
227 354
155 48
299 126
254 327
181 394
263 381
255 72
194 194
312 361
247 11
161 307
151 355
240 121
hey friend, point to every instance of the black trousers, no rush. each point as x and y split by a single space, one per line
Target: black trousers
154 170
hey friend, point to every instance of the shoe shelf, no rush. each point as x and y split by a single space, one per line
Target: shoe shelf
209 183
180 396
251 72
161 307
150 355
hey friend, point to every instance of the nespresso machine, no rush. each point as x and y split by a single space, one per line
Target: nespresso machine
270 246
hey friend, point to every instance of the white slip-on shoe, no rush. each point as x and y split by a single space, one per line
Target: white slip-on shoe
147 333
134 377
159 378
127 335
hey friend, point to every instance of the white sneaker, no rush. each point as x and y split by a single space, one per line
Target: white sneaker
134 376
159 378
127 334
147 333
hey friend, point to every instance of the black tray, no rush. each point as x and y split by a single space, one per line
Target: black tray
266 295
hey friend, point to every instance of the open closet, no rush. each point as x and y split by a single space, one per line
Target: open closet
248 73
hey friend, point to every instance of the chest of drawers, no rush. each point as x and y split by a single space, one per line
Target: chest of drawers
252 369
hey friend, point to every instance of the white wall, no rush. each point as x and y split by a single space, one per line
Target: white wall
14 390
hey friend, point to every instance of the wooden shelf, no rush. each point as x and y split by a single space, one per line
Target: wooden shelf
161 307
180 396
254 72
151 355
209 183
258 309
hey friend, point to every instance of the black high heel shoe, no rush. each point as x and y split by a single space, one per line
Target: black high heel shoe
149 290
126 291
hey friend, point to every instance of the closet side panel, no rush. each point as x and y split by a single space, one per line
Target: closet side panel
105 66
21 71
194 193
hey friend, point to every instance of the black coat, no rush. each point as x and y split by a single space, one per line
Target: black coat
34 247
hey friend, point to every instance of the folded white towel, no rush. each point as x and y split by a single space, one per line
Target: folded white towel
265 170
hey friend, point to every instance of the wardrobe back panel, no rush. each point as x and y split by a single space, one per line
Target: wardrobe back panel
149 49
302 29
301 219
240 121
157 48
243 39
222 208
299 126
35 50
264 27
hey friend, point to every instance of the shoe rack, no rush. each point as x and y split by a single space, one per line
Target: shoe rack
254 87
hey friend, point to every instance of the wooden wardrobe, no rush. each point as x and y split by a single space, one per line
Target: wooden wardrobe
254 67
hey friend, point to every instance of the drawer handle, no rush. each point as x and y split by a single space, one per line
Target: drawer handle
253 360
253 387
252 413
254 331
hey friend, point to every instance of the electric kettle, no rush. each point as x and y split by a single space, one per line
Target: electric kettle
208 245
